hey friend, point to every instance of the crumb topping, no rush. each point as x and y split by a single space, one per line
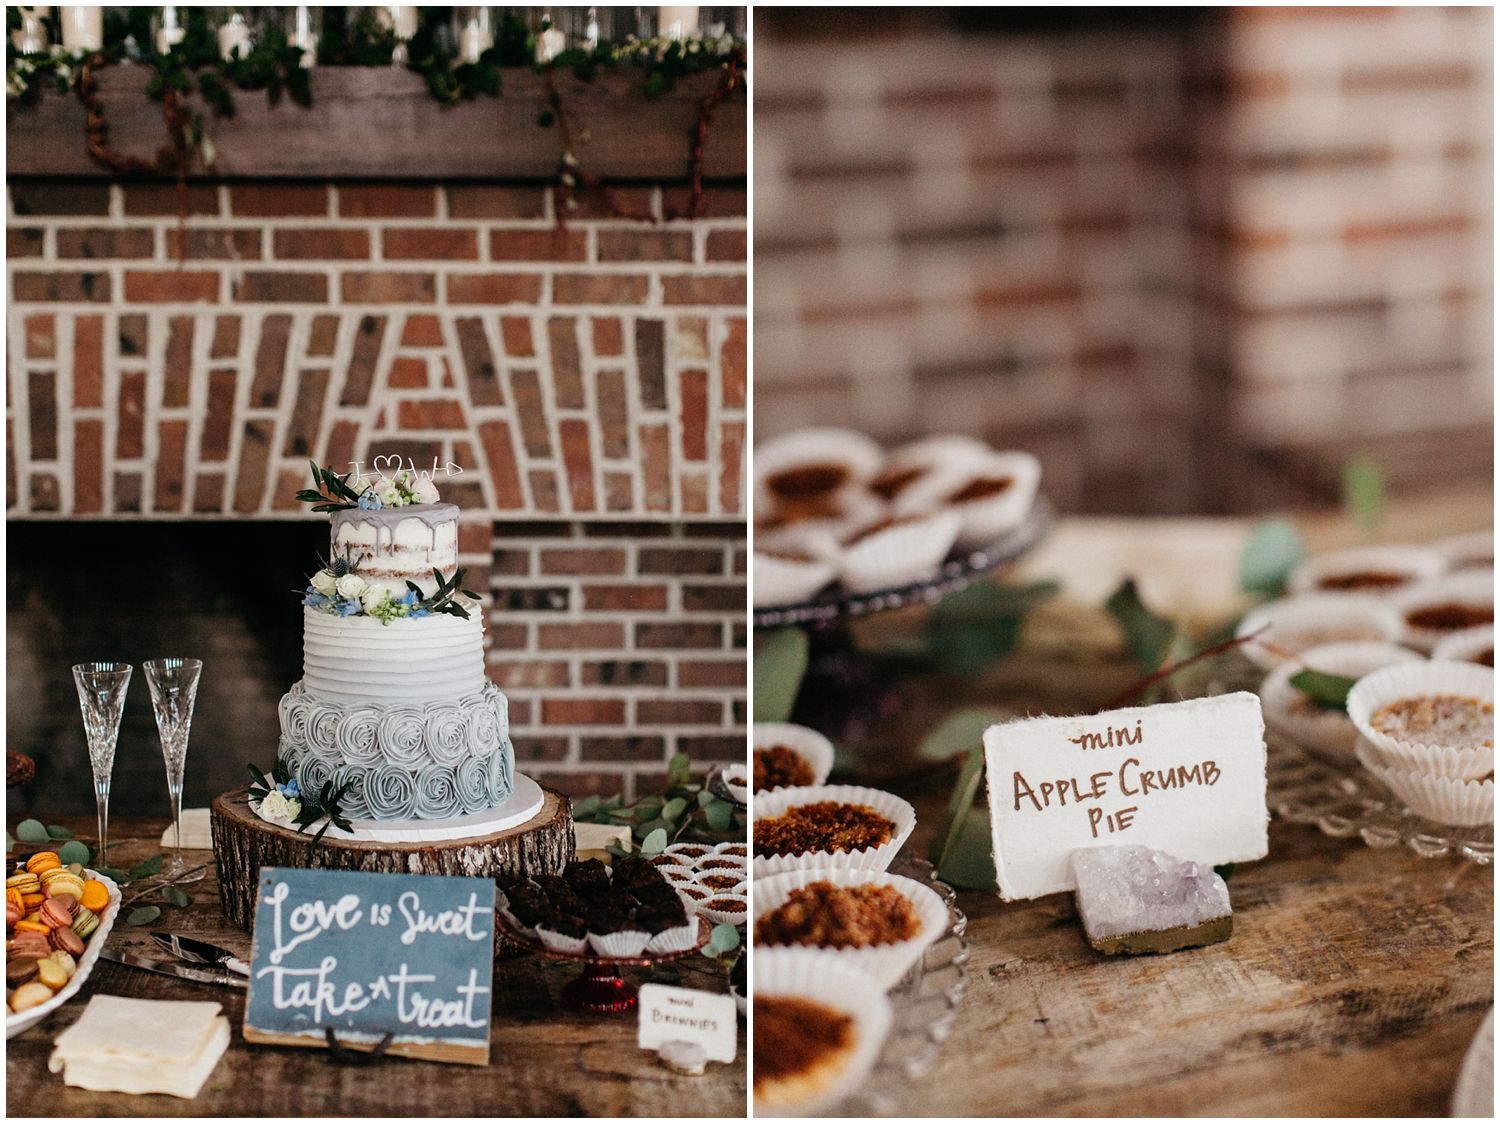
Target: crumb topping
806 480
1457 721
875 528
1450 616
794 1036
891 484
1363 579
780 766
1486 657
825 825
828 916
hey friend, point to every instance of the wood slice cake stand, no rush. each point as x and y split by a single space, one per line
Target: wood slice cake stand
243 843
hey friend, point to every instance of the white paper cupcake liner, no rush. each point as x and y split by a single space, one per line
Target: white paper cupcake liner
797 973
887 963
786 581
722 864
687 853
1326 734
627 942
1416 563
982 520
677 872
820 445
1313 619
736 780
899 555
733 850
740 886
677 939
1445 800
810 745
736 916
1435 761
945 451
1466 644
1473 551
560 942
888 805
502 904
1410 680
1467 587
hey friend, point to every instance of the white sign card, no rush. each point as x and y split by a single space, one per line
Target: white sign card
679 1014
1188 778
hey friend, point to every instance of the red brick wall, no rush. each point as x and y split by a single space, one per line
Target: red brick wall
1192 264
594 374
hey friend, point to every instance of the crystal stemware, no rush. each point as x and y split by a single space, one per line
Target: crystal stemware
101 698
174 687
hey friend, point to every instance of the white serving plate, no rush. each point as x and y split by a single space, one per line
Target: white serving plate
16 1024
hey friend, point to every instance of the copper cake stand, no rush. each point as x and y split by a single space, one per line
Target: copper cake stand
600 987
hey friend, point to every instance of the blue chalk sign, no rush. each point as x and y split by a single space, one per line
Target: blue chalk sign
366 955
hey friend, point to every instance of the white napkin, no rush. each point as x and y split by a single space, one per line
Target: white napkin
122 1045
196 835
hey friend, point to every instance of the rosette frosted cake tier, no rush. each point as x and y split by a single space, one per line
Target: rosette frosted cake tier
393 700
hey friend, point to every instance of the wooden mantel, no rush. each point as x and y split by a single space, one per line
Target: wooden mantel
376 122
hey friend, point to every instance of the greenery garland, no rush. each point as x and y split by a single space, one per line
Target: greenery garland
194 66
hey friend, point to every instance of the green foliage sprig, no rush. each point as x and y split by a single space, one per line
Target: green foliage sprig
330 491
685 812
441 600
145 875
322 805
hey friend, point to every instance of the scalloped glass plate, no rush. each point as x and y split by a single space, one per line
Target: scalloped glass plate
924 1005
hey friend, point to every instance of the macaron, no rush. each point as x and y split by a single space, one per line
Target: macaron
43 861
24 942
51 973
95 895
30 995
16 898
68 941
19 969
62 883
12 914
32 901
33 925
55 912
65 959
25 882
85 921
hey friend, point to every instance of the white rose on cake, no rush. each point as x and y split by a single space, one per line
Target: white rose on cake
425 490
373 598
390 493
351 586
324 581
275 806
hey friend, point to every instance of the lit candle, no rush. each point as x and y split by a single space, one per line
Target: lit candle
303 36
476 37
170 34
591 30
31 36
679 22
234 35
82 27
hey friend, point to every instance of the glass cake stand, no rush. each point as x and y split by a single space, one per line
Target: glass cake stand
845 691
599 986
924 1006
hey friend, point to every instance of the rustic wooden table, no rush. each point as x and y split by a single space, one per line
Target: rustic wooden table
546 1060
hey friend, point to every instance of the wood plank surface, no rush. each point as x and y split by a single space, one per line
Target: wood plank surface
546 1060
382 123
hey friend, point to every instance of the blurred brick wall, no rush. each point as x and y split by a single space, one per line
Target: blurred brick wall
594 374
1190 262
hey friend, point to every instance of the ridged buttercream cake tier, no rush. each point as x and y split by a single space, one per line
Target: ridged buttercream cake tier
361 659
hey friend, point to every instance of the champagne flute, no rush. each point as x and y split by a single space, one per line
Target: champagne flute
101 698
174 688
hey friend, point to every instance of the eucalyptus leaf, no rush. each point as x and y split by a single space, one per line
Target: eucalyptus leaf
719 814
1272 550
679 769
674 808
966 790
960 732
73 852
10 842
1331 692
32 831
114 874
1148 636
655 842
1363 486
143 915
992 600
587 806
724 938
705 798
779 665
177 897
147 868
970 862
57 831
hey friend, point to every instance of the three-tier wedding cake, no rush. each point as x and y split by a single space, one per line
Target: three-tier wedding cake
393 708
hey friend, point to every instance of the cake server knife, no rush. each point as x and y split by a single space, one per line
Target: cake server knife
201 952
181 971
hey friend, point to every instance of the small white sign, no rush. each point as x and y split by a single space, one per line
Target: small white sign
1188 778
679 1014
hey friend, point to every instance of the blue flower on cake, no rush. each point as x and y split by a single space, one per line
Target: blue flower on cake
369 501
315 599
346 608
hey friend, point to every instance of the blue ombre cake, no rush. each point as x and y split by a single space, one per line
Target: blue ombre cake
393 698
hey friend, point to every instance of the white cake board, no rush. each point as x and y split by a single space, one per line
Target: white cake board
524 803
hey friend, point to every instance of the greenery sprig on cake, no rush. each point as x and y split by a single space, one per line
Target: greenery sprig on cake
330 491
340 590
334 492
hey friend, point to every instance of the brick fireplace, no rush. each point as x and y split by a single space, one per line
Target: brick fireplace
590 379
